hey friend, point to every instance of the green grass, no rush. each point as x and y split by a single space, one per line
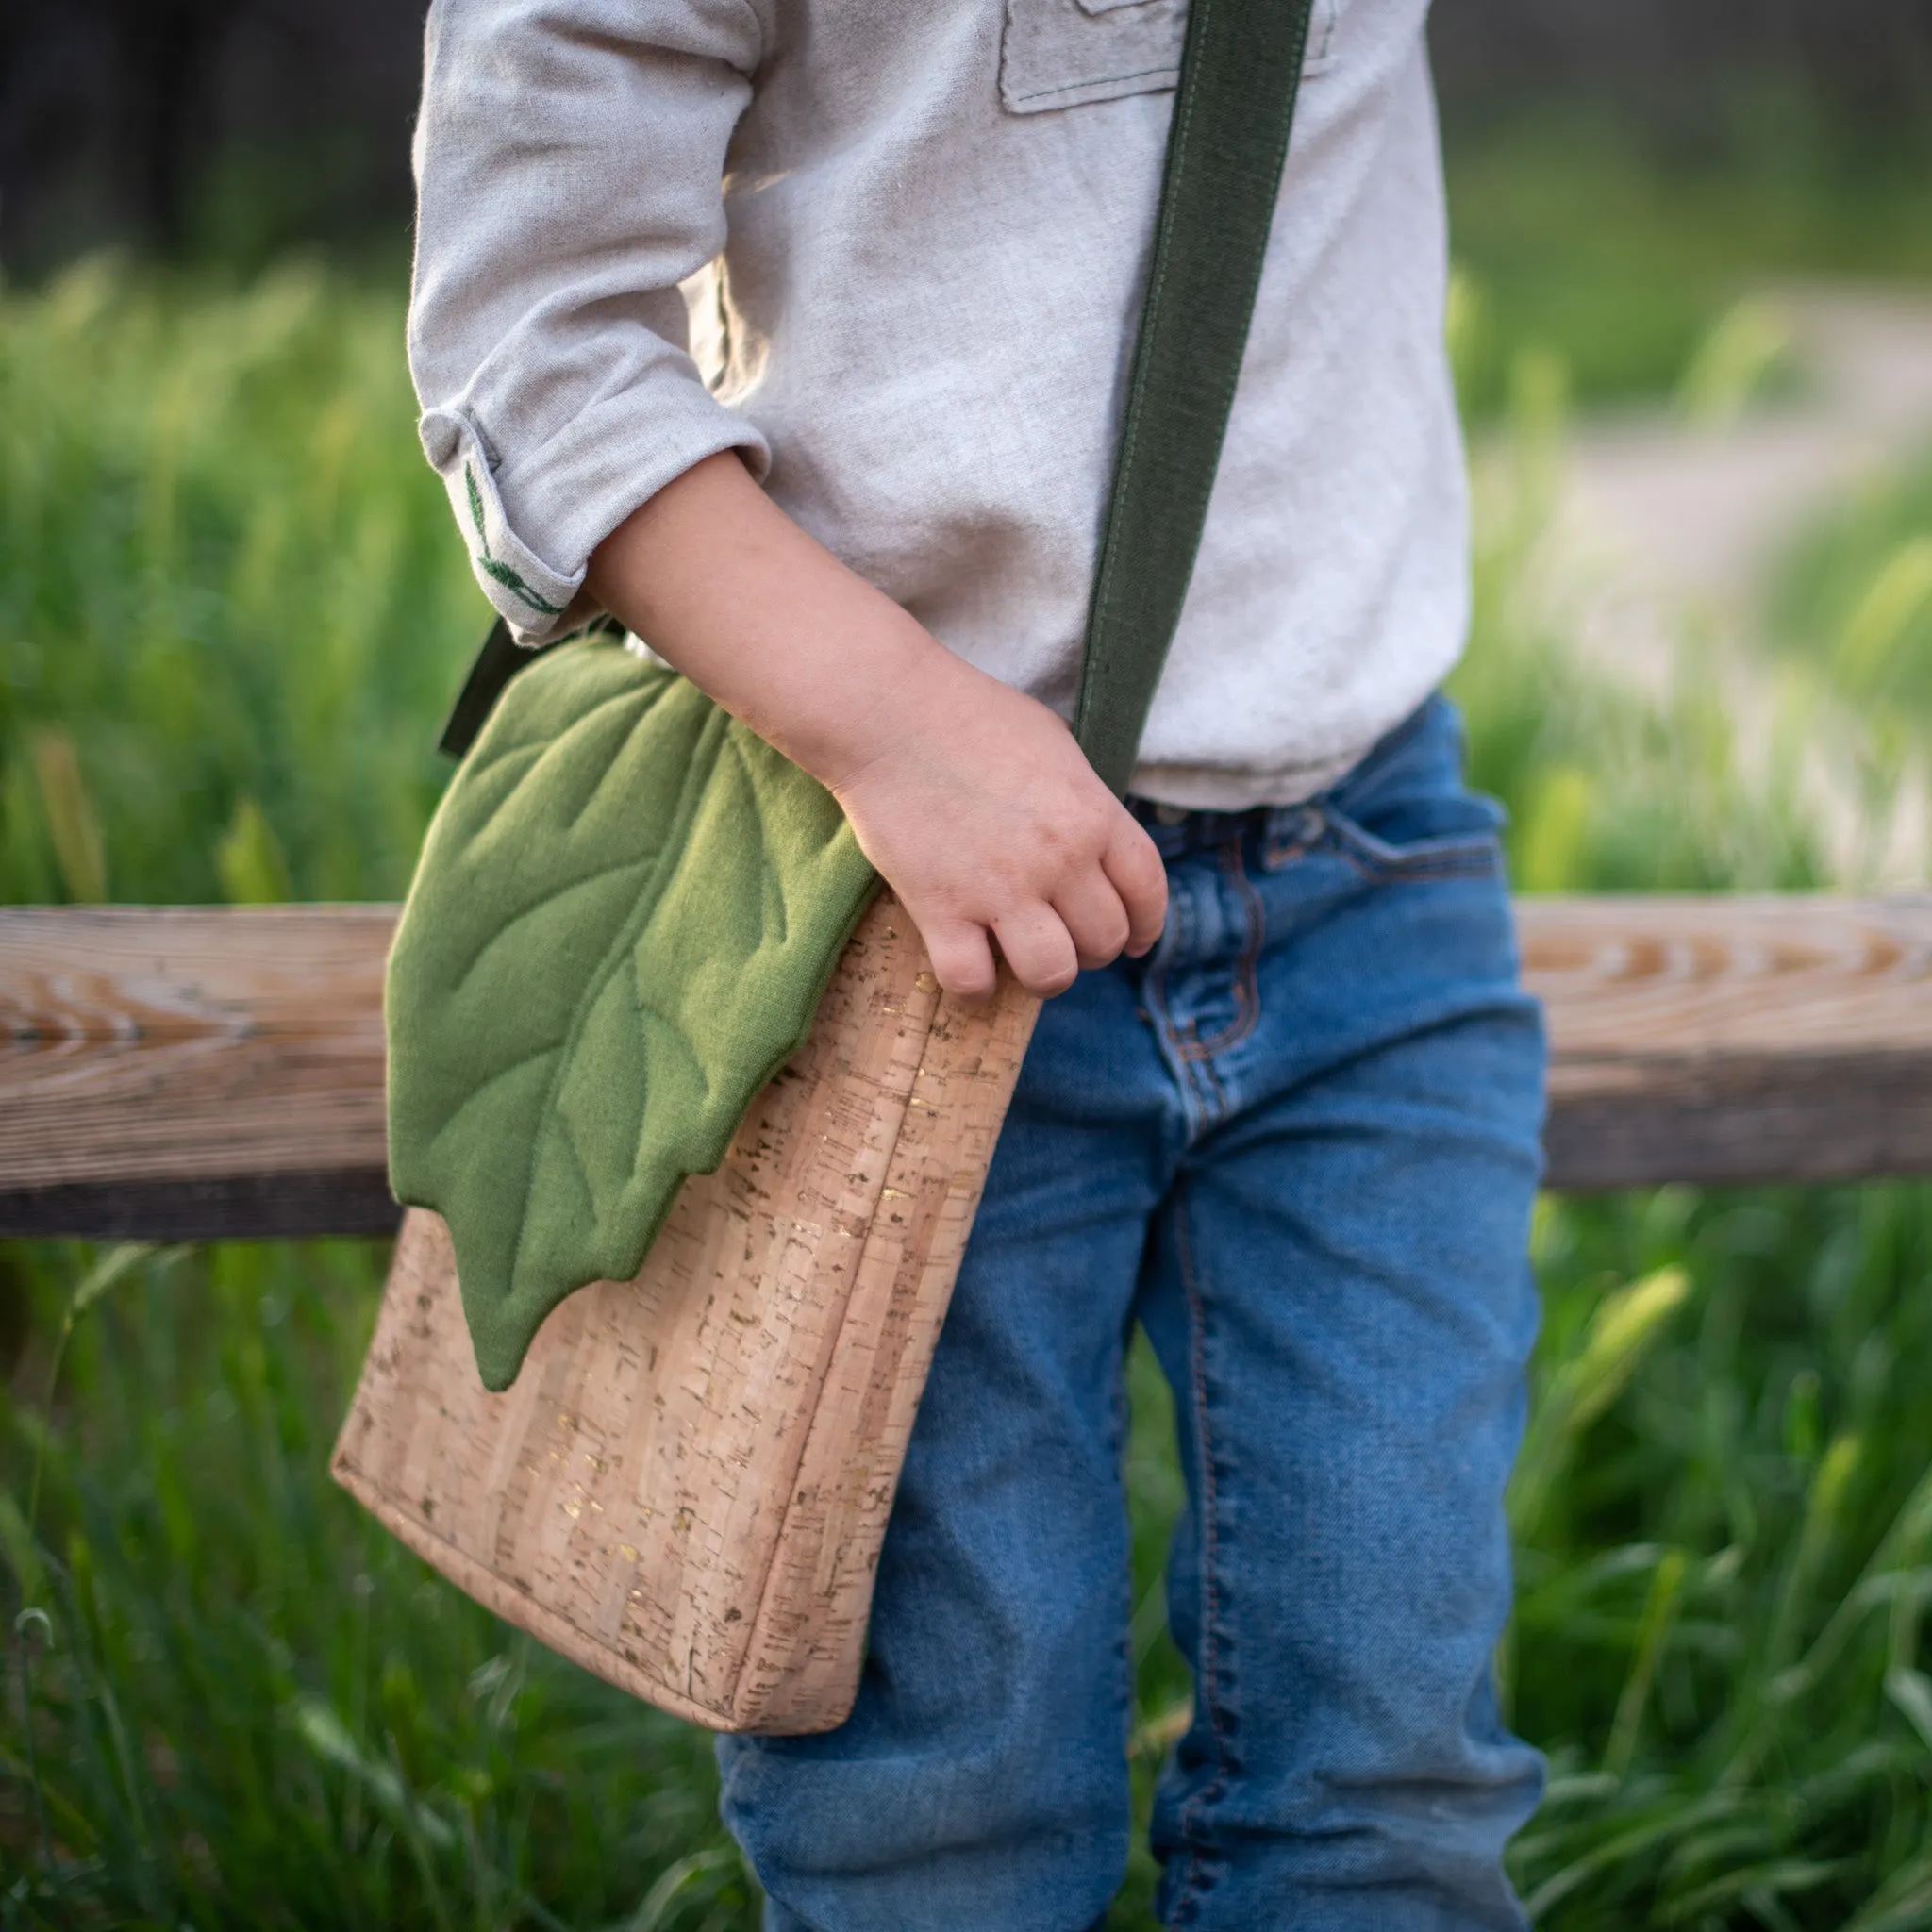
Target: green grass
252 1708
1607 791
1853 602
1577 239
231 611
222 583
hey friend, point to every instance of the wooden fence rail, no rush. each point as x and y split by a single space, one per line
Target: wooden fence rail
187 1072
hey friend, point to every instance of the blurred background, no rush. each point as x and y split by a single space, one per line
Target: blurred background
1692 323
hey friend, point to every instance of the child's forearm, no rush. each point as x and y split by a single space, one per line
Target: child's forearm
723 583
971 798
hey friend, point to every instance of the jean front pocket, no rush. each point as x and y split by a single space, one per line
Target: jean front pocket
1449 836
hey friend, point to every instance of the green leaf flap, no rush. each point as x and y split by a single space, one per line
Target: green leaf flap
627 910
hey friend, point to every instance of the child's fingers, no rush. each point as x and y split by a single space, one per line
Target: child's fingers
1134 866
962 961
1095 919
1038 947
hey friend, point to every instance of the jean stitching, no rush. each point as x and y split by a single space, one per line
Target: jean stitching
1207 1672
1202 1081
1247 997
1219 1093
1175 1033
1473 864
1121 1424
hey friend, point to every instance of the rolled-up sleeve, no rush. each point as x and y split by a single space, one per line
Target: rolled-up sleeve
570 159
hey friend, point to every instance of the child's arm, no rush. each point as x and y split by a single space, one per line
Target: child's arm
571 157
971 798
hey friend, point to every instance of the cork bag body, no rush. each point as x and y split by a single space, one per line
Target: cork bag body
686 1489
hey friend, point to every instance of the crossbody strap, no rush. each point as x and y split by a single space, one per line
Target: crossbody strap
1234 105
1240 71
498 658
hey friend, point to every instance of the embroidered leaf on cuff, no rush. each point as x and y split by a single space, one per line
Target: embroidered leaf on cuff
500 573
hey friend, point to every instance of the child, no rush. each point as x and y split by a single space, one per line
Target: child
1285 1110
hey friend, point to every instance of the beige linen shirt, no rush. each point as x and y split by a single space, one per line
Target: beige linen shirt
893 251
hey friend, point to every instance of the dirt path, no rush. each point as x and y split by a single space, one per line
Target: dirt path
1665 530
1695 513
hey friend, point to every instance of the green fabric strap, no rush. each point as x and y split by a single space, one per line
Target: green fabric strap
499 659
1241 70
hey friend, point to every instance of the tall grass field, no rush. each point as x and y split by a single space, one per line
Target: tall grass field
232 613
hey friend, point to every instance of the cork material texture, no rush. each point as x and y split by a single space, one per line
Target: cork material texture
686 1488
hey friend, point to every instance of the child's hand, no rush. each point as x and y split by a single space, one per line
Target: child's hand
976 805
971 799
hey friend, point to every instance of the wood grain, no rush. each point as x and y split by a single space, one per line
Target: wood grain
184 1073
1736 1039
686 1488
179 1072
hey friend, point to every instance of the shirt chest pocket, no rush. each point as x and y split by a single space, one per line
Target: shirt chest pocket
1064 53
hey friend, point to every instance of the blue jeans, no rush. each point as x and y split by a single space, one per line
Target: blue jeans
1298 1143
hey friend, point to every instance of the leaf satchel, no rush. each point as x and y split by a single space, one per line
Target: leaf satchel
691 1140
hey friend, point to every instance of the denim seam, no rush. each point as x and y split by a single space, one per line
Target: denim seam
1122 1426
1172 937
1208 1671
1247 998
1278 853
1471 865
1183 1063
1203 1084
1212 1075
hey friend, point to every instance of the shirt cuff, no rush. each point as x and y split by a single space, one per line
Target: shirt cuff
593 477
